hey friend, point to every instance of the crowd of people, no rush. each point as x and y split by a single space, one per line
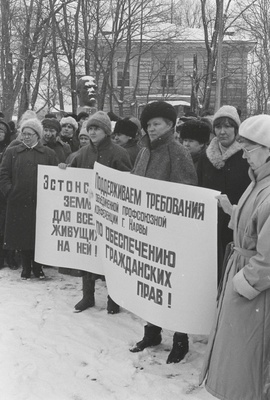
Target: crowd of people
217 152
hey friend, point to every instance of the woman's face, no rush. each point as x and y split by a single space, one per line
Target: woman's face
67 130
225 133
193 146
84 140
96 134
29 136
49 135
157 127
255 154
121 139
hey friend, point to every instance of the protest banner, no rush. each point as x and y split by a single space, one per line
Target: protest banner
158 244
65 227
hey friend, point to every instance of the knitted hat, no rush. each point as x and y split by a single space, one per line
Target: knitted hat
51 123
4 126
100 119
69 120
196 130
34 124
229 112
84 131
126 127
257 129
158 109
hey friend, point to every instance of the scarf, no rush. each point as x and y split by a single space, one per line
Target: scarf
216 157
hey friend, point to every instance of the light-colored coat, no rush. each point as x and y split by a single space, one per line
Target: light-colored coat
237 363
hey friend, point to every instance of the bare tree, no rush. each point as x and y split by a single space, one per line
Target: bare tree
255 22
11 67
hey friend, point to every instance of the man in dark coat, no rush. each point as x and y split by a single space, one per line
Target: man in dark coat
165 159
18 184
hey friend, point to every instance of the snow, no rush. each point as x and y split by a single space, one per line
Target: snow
49 352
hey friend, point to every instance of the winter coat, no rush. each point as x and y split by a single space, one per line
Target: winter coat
237 361
132 148
165 159
106 153
197 157
18 183
227 173
61 149
73 142
3 146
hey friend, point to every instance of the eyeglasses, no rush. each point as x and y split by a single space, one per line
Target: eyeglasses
251 150
26 134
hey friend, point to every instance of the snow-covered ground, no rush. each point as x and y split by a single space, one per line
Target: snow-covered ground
49 352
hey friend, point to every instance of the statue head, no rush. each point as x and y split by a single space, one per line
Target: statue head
87 91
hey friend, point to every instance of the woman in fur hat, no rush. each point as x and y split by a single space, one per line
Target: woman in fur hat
165 159
195 137
50 138
69 127
222 168
18 184
125 132
237 359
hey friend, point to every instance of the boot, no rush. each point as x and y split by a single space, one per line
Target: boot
112 307
88 299
152 337
38 271
11 261
180 348
26 264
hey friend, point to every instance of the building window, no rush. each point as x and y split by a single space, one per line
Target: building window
146 72
120 75
167 74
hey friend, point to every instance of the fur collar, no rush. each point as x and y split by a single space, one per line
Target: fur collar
216 157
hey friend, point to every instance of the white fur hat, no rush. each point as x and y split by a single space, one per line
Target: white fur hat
229 112
257 129
69 120
34 124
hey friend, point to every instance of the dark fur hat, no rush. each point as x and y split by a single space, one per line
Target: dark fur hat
158 109
51 123
195 130
126 127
